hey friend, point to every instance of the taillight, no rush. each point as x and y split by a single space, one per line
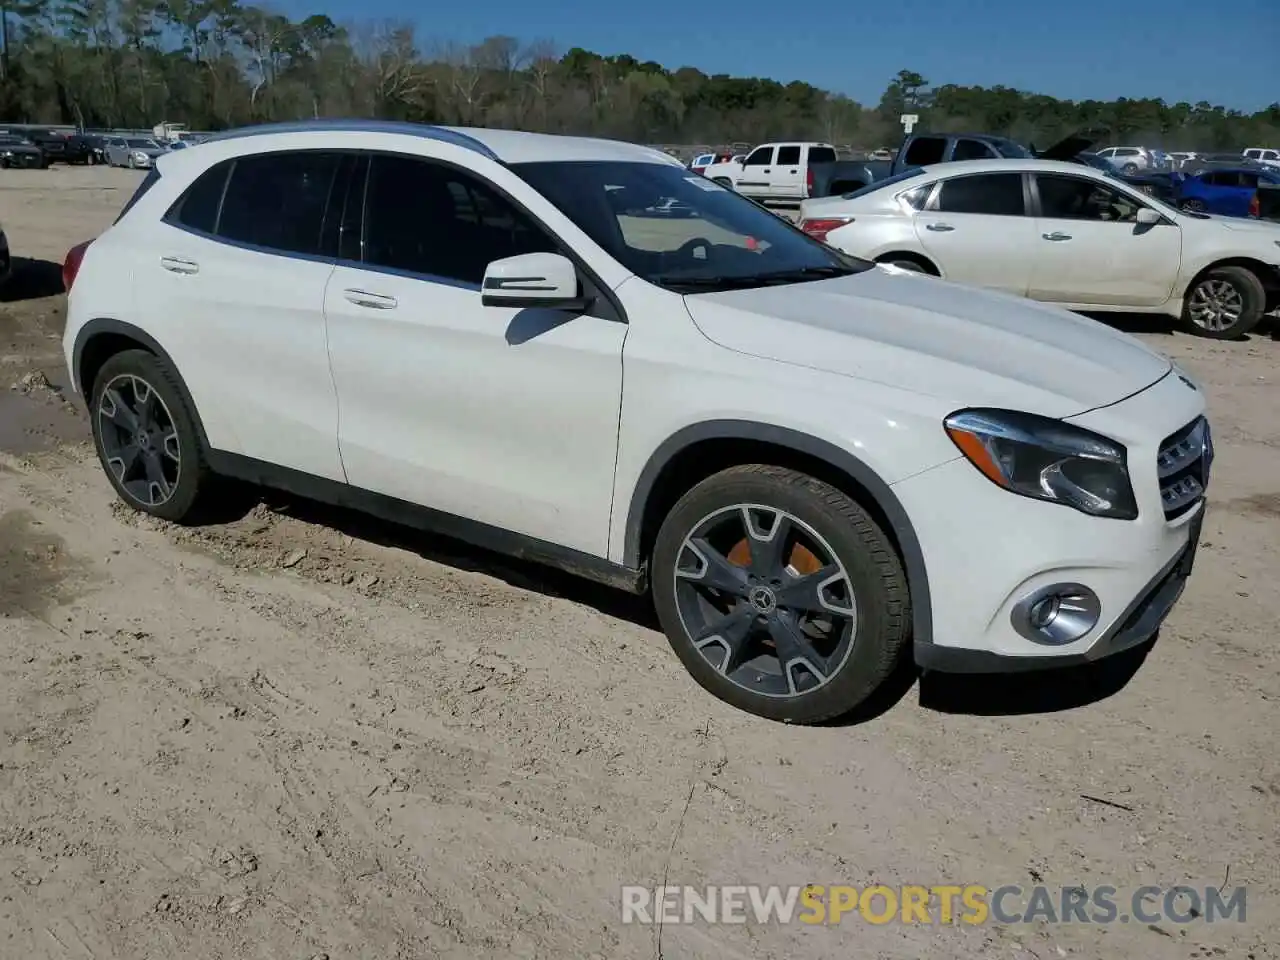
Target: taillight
808 180
818 229
71 265
1255 206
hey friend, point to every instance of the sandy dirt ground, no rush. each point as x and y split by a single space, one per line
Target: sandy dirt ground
300 734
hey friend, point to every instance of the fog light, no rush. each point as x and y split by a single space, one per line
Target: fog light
1057 614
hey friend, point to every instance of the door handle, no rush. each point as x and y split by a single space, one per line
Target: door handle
375 301
1056 236
766 170
939 227
179 265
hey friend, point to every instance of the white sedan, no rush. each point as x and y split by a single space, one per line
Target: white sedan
1061 233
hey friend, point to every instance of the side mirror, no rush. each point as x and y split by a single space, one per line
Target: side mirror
542 280
1149 217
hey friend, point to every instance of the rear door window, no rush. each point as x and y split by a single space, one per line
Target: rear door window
278 200
788 155
994 194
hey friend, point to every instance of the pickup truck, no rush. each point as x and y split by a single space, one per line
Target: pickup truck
791 171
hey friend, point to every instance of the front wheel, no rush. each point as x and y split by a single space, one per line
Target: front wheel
1193 206
1225 303
780 594
146 437
1130 169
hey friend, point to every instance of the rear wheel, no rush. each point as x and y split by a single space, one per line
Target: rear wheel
780 594
146 437
1225 303
1130 168
1193 206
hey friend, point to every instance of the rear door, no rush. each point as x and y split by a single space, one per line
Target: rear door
1088 247
234 285
977 228
754 181
787 179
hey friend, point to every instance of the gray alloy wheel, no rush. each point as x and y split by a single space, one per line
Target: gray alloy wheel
779 593
139 440
148 439
768 627
1225 303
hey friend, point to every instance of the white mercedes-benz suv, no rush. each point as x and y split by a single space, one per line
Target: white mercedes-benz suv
578 352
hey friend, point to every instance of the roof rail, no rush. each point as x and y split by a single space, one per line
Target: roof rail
356 125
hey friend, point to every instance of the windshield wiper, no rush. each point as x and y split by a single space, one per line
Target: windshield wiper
805 273
706 283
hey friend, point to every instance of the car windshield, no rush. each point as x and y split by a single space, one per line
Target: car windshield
906 174
142 144
680 230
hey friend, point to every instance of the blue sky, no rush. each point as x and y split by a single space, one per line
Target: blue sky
1226 53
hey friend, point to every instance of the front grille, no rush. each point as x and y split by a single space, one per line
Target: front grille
1183 465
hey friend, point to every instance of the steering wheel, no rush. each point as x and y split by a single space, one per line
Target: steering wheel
686 249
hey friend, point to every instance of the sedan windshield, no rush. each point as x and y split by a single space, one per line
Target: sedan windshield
682 231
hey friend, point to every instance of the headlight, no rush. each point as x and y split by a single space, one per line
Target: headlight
1046 459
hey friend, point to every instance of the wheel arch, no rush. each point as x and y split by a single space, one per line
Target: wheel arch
700 450
924 262
101 339
1268 275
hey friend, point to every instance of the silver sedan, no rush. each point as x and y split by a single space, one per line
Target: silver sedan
131 151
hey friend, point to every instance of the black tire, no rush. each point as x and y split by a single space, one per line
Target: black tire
186 476
1130 169
1244 285
869 646
1193 206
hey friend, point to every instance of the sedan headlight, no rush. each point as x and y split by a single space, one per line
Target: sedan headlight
1046 459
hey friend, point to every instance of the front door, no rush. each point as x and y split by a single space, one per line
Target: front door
500 415
757 171
1090 249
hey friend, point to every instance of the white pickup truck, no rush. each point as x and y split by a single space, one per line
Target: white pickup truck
775 171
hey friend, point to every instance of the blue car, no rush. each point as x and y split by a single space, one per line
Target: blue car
1226 191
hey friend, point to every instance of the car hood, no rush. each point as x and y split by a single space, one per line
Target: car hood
969 346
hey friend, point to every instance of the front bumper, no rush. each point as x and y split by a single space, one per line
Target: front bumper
1138 624
986 551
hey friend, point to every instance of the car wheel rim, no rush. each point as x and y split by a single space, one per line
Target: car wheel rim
1195 206
765 600
1216 305
139 440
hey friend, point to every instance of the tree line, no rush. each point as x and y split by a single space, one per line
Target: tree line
214 64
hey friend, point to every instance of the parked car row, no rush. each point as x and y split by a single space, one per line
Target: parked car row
1061 233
